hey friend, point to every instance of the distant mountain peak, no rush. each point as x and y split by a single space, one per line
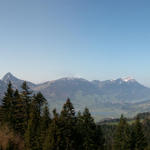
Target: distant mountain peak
16 82
128 79
8 76
122 80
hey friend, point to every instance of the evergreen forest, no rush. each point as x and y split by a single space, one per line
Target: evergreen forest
26 123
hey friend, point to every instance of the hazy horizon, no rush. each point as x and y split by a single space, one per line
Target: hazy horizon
39 82
47 40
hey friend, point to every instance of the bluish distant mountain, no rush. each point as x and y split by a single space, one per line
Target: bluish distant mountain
108 98
15 81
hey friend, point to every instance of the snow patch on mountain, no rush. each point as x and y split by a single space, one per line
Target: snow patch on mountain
128 79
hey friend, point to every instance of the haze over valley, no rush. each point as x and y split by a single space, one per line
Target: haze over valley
105 99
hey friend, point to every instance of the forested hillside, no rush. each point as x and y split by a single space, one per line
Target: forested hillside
27 124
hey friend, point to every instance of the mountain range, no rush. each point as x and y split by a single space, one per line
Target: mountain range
107 98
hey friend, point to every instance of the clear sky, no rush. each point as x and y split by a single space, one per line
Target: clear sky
94 39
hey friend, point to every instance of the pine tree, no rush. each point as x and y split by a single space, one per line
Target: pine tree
99 138
54 137
68 120
140 140
32 133
45 123
90 133
122 139
18 113
39 101
146 128
62 130
79 128
7 104
26 97
45 120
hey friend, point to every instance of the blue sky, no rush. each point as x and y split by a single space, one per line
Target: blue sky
94 39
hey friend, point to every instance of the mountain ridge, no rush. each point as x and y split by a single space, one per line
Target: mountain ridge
99 96
125 89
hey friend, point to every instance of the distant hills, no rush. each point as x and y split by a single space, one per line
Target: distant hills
107 98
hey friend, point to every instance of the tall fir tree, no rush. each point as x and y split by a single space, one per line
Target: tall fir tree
91 135
54 137
39 100
7 105
18 113
26 97
68 120
32 133
62 130
146 129
122 139
45 119
139 138
45 123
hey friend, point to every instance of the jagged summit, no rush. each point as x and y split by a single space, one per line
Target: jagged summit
9 77
9 74
122 80
16 82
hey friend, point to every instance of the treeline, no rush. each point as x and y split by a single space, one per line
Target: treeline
27 124
127 135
